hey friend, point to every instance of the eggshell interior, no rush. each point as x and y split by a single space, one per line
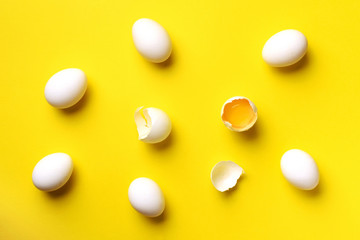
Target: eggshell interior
225 175
143 122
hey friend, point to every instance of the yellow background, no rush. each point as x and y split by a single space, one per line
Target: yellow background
313 106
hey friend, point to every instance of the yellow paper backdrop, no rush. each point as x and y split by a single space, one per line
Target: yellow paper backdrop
313 106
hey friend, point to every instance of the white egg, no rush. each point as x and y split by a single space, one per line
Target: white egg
52 172
300 169
146 197
285 48
65 88
151 40
153 124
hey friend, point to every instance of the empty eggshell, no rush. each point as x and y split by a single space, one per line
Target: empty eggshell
52 172
65 88
153 124
300 169
151 40
285 48
225 175
146 197
239 114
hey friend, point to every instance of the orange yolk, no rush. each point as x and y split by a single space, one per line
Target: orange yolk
238 113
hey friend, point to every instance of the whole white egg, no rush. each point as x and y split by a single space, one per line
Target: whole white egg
65 88
146 197
300 169
52 172
285 48
151 40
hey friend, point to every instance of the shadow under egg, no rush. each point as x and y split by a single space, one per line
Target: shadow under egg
296 67
80 105
64 190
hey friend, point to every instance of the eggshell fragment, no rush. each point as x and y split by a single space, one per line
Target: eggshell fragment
65 88
300 169
151 40
225 175
239 114
285 48
52 172
153 124
146 197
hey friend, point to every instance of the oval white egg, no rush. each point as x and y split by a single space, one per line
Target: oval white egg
153 124
300 169
146 197
65 88
285 48
52 172
151 40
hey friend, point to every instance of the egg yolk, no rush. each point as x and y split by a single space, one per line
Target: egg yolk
239 113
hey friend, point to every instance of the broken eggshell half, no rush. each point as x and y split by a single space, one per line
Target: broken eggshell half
239 114
225 175
153 124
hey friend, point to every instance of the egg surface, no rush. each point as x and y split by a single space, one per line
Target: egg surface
52 172
146 197
300 169
65 88
151 40
285 48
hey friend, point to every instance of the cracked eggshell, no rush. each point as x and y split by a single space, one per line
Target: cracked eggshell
300 169
225 175
151 40
146 197
65 88
52 172
285 48
153 124
239 114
